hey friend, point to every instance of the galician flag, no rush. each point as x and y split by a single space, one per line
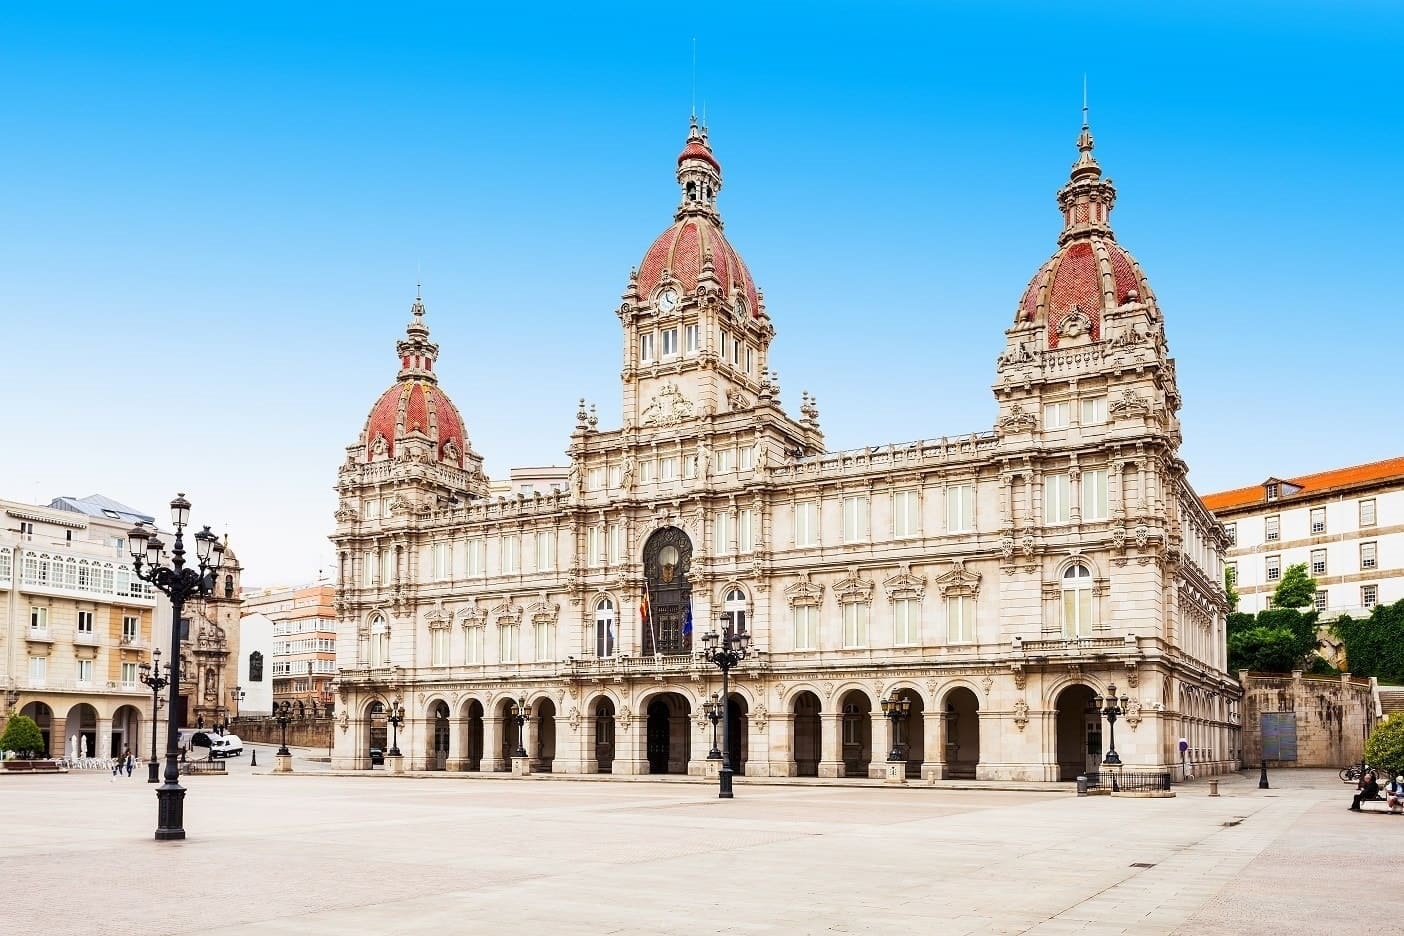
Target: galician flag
687 618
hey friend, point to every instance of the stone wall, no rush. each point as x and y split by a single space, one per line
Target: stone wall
302 732
1334 716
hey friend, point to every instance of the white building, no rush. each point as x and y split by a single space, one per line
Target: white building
1345 525
996 580
255 655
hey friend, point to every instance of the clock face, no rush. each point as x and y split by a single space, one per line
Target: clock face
668 300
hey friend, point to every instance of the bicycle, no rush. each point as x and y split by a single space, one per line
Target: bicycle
1354 772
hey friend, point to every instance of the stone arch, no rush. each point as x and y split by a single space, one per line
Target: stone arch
81 721
667 726
961 707
667 559
600 713
855 706
127 725
604 612
439 714
509 731
910 740
1078 733
543 735
43 716
805 706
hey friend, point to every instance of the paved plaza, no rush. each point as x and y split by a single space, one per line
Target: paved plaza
268 854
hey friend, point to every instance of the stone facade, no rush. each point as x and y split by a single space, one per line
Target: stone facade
996 579
1332 715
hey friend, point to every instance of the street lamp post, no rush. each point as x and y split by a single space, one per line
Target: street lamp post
152 676
726 650
522 713
713 708
1111 707
396 718
896 708
282 711
179 583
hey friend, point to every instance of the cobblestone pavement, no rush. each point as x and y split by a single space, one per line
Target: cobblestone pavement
314 854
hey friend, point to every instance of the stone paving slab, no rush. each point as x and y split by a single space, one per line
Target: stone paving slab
317 854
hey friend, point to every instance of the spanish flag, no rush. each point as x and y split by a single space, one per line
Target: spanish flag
643 607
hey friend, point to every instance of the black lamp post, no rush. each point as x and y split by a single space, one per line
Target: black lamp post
151 675
180 584
1111 707
522 713
282 711
396 718
896 708
726 650
713 708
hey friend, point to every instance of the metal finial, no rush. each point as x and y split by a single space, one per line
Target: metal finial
1084 101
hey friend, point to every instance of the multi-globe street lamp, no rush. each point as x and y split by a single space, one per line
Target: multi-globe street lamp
726 650
713 708
1111 708
152 676
169 574
282 712
896 707
396 718
522 713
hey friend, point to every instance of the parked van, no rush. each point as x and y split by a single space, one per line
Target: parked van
225 746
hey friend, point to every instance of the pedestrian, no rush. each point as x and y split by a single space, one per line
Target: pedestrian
129 760
1369 789
1394 794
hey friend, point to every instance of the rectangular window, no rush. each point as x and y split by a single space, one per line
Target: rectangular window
616 543
750 360
1094 494
646 470
1077 612
1057 415
595 546
1318 562
130 625
387 566
129 675
746 455
807 523
1274 568
85 622
722 533
1318 520
1231 573
855 519
1369 595
855 624
805 622
1232 530
646 348
1367 556
473 645
616 475
507 643
544 641
960 619
689 466
85 672
1094 410
1319 601
726 460
736 353
1055 498
477 557
1367 512
670 342
38 670
439 639
386 509
960 508
722 345
546 551
1272 528
441 558
372 510
595 479
1272 492
668 468
906 618
690 339
38 620
373 566
906 516
511 555
745 530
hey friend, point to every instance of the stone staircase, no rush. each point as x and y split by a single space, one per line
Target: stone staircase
1391 699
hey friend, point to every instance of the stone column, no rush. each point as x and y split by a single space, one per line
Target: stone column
1075 494
879 742
572 731
782 745
630 744
458 744
492 744
933 726
104 738
831 744
701 744
58 739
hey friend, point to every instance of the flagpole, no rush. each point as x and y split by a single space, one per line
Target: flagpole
648 602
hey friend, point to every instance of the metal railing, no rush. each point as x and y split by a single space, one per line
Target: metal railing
203 767
1130 781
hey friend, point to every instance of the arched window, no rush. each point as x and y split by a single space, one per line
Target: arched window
379 641
1077 601
734 611
692 191
229 586
604 628
255 667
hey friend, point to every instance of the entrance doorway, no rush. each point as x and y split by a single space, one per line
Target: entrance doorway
475 735
604 736
857 733
44 717
544 742
668 738
911 733
962 733
667 557
1079 732
808 747
439 756
738 747
376 733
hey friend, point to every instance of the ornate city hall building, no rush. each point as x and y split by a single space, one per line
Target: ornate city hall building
996 580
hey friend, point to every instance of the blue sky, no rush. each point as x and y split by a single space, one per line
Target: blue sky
234 203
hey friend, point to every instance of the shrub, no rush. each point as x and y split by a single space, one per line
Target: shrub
1385 747
1374 645
23 736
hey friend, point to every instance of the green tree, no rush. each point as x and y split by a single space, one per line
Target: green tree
1296 590
1265 650
1385 746
22 735
1230 579
1374 645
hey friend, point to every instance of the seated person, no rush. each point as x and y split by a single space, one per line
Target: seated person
1369 790
1394 794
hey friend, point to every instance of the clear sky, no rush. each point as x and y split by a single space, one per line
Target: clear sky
226 206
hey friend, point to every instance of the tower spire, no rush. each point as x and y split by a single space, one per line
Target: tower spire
1086 201
699 174
417 352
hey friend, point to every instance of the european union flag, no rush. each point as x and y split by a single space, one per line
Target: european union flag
687 618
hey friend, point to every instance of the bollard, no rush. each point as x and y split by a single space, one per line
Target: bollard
1213 788
253 757
1081 785
1262 779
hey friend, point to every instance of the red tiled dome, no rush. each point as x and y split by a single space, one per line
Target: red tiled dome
699 150
417 406
680 250
1094 274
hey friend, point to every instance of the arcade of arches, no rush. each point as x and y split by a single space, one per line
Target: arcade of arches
85 729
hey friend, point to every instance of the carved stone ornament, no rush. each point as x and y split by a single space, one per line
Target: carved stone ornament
1021 677
853 589
1075 324
1019 355
905 585
987 684
379 446
344 721
829 690
1133 713
1021 713
1118 537
1133 675
624 719
1016 420
1006 547
574 719
959 582
1027 545
737 400
931 685
1142 536
450 451
1129 405
668 408
760 717
780 692
345 513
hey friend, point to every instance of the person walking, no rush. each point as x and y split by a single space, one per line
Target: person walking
128 760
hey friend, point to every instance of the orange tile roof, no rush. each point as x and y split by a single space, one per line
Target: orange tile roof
1309 484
